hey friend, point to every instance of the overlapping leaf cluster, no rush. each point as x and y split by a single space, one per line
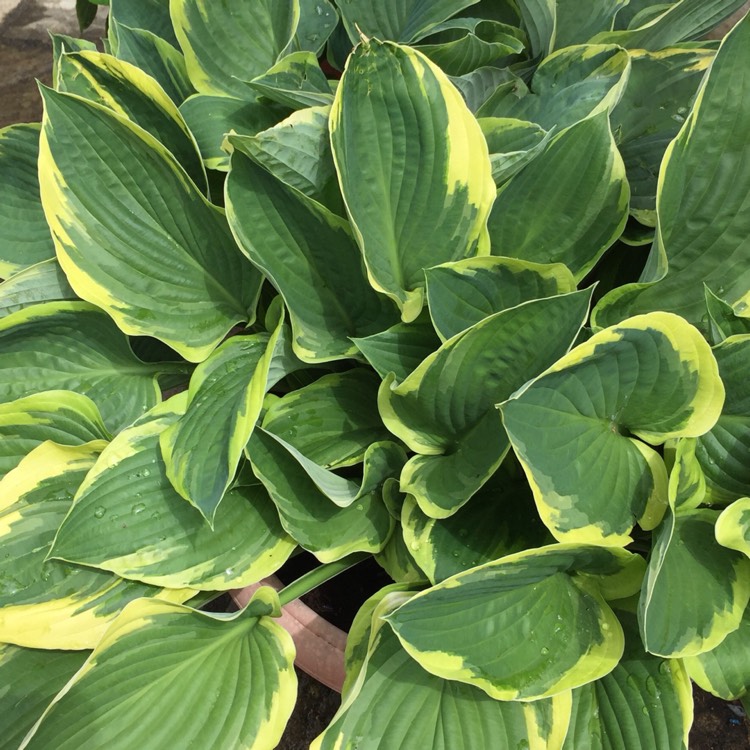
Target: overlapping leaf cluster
478 309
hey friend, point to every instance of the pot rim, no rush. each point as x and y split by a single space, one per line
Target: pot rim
320 645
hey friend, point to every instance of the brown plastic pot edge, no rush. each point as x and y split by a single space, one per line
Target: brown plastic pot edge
320 645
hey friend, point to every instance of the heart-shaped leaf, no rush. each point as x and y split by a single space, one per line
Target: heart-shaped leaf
164 673
445 409
394 691
654 377
526 626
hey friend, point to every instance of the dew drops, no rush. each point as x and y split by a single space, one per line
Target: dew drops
229 572
146 472
651 687
138 508
544 651
414 546
155 516
9 586
665 669
99 511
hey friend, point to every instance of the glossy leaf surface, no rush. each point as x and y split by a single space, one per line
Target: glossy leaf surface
24 235
653 377
523 627
128 519
445 409
148 680
134 235
702 202
407 193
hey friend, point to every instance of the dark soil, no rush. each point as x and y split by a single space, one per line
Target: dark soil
26 56
718 725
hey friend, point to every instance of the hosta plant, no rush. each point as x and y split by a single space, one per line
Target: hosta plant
461 286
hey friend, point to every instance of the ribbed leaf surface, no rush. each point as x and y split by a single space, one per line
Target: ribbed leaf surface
522 627
127 518
703 202
168 675
74 346
654 377
133 233
24 235
413 168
